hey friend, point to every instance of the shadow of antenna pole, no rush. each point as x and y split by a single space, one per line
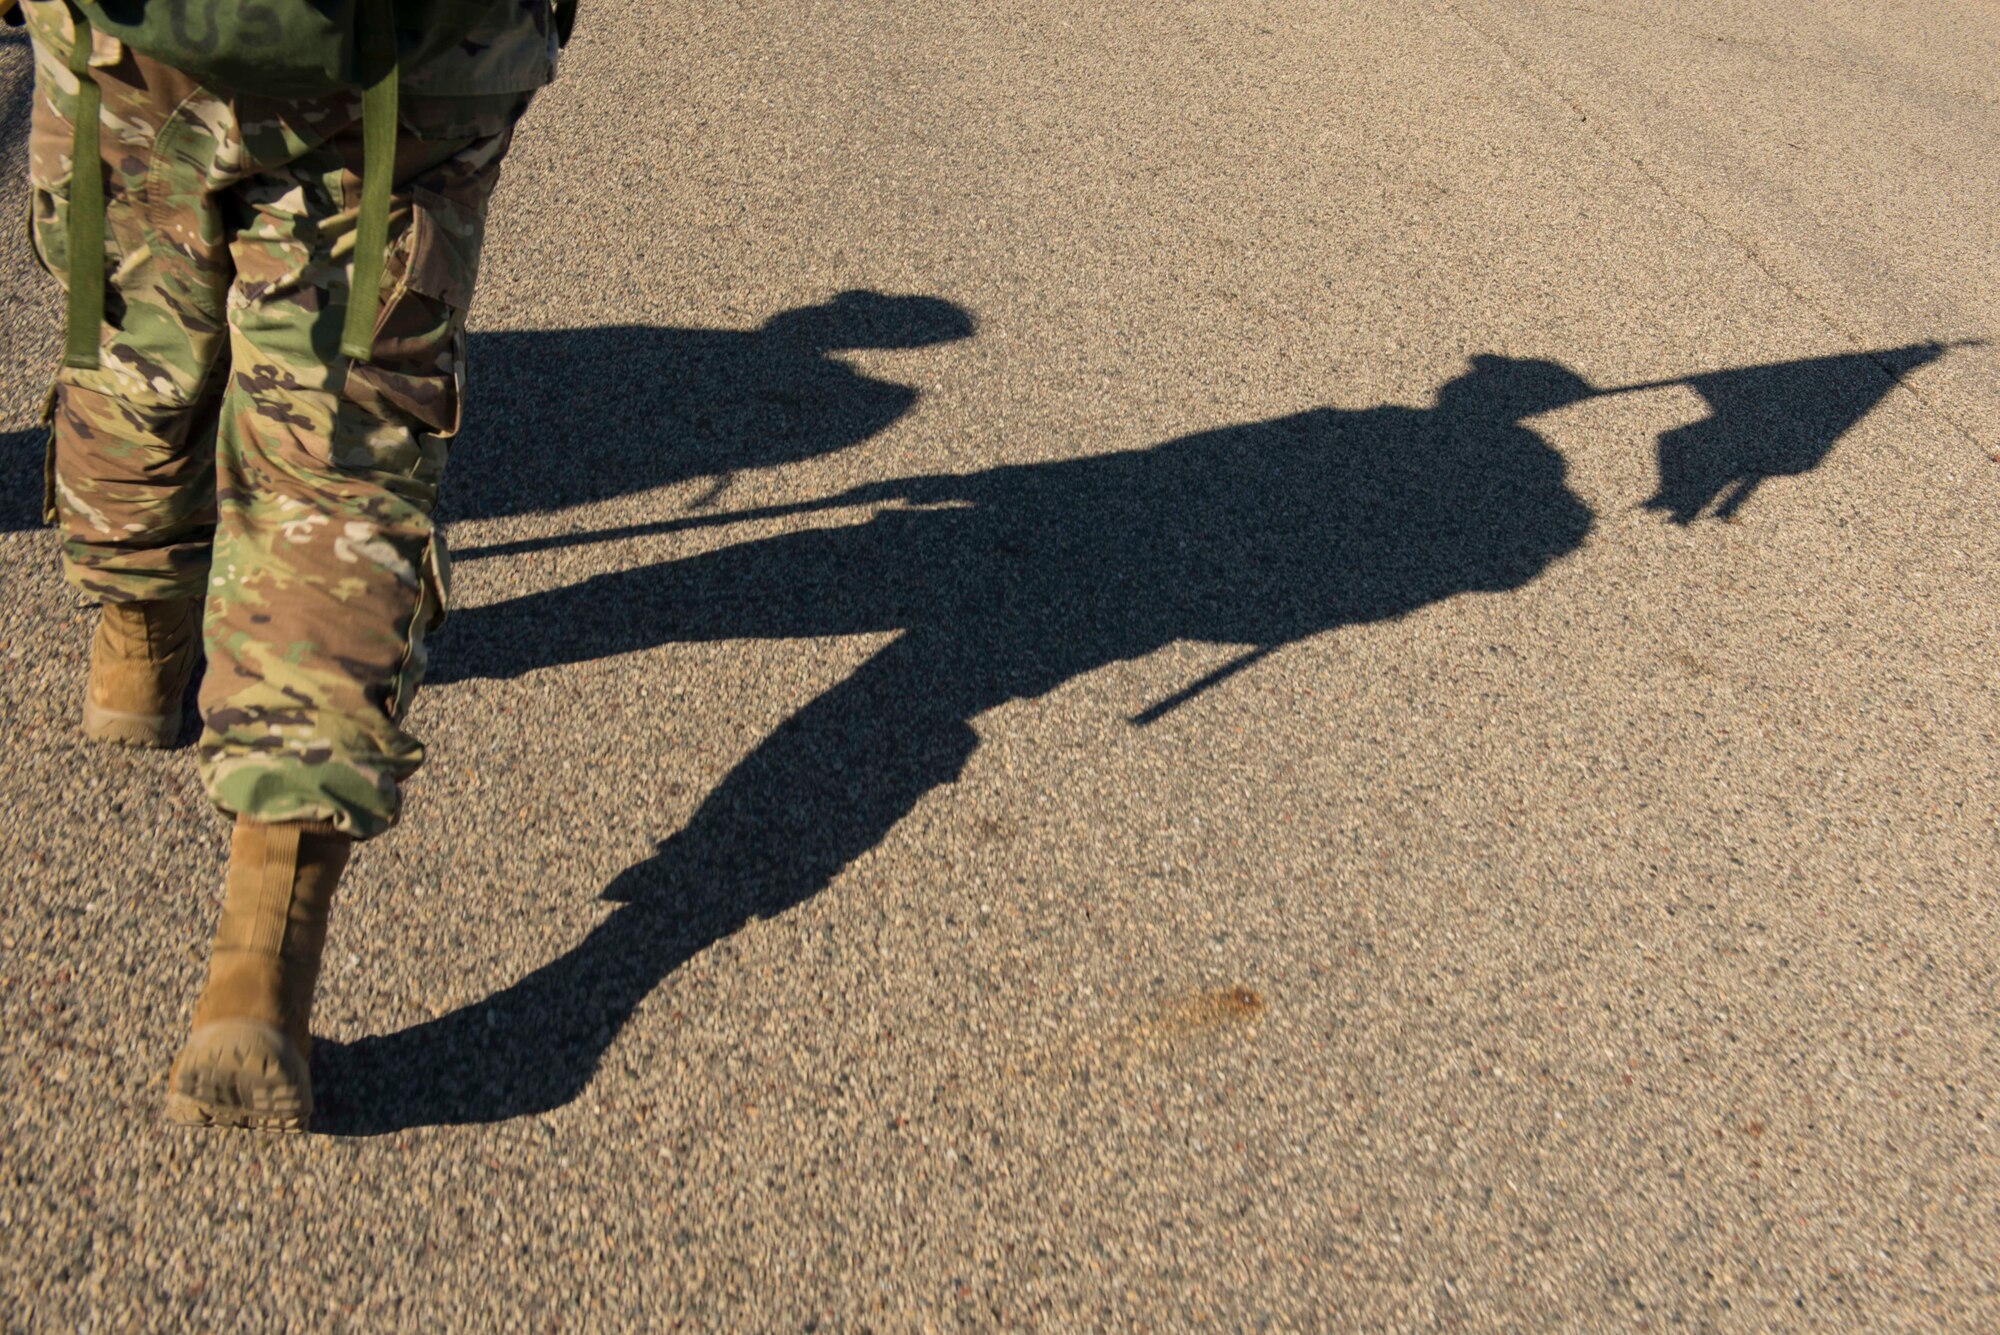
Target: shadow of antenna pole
1155 712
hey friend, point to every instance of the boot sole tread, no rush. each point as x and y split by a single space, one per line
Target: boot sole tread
240 1073
119 728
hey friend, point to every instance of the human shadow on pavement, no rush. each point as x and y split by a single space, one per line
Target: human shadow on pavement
998 585
565 417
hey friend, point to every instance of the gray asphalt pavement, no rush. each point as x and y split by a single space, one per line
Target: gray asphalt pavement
1067 708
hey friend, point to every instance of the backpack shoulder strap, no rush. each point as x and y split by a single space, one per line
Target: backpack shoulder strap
86 209
378 172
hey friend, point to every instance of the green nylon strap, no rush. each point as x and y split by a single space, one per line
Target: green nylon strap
378 174
86 212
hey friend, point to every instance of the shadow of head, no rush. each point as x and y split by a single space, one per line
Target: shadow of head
862 319
1509 389
570 416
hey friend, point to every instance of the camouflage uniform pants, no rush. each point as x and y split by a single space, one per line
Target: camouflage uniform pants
225 449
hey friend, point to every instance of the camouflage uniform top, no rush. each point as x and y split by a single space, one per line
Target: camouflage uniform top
512 51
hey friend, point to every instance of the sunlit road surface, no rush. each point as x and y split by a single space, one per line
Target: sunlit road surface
1352 687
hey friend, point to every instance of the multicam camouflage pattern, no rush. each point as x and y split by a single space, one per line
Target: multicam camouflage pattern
224 447
512 51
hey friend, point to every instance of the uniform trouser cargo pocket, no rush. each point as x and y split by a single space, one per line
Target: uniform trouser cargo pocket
330 573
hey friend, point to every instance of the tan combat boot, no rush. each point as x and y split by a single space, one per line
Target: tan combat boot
140 662
245 1063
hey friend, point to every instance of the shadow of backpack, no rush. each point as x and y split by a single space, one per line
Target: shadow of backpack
272 48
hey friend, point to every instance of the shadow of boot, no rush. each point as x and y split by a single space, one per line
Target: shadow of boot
528 1049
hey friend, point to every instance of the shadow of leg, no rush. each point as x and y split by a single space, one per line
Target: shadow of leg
823 789
820 791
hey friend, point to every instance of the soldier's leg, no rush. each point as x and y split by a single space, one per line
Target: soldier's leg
327 575
131 475
328 571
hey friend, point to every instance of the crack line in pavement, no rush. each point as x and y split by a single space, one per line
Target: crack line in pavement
1773 52
1750 251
